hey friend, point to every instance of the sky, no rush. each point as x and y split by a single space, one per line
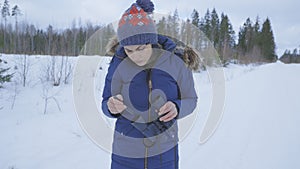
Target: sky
284 15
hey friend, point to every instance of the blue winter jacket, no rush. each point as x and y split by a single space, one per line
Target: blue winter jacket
167 78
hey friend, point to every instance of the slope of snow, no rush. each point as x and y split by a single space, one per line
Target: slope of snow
260 127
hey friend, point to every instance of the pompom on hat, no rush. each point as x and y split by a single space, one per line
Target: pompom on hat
136 27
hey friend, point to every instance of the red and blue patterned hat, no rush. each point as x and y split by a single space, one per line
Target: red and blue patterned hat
136 27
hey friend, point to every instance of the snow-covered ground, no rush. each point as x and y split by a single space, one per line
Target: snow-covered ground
260 127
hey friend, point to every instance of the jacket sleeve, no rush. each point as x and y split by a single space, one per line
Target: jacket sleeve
187 101
109 90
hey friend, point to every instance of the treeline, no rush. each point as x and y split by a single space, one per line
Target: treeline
291 57
27 39
24 38
254 43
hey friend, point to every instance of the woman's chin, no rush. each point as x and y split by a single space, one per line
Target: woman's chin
140 63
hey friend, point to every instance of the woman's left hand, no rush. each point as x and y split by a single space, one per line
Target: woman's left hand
169 111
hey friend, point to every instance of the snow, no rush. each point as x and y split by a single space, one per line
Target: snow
260 126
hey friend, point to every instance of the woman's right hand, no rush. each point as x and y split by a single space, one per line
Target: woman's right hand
115 104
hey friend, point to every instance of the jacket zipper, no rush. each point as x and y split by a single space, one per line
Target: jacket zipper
149 112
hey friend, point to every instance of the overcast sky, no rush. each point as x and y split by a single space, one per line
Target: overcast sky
284 15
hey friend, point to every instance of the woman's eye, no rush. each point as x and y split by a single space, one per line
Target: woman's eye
128 51
142 48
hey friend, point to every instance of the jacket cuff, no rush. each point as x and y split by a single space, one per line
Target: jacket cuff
177 104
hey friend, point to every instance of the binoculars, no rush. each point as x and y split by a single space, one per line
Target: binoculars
153 128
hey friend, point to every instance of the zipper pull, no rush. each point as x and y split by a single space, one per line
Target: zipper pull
149 78
150 84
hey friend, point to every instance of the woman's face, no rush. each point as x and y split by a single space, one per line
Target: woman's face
139 54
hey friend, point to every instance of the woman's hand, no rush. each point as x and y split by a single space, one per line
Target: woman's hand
115 104
169 111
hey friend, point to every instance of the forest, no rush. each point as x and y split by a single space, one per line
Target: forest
253 43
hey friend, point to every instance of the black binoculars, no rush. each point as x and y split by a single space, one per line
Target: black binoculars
154 127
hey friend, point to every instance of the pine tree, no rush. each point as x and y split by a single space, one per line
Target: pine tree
267 42
16 11
245 38
214 22
195 18
226 38
188 35
205 27
4 76
161 26
194 33
5 10
183 31
173 25
256 26
256 45
207 24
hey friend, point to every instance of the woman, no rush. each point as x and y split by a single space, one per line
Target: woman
147 88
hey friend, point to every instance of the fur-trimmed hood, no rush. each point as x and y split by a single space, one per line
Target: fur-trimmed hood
189 55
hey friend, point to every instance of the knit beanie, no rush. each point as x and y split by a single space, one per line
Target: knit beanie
136 27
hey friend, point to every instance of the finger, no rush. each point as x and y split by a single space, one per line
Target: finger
110 104
110 100
117 101
166 108
162 108
119 97
111 108
169 119
115 106
166 105
113 101
171 116
120 108
167 116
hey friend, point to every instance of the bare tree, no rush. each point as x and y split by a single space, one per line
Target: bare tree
67 70
55 74
5 14
15 94
57 70
48 95
22 67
